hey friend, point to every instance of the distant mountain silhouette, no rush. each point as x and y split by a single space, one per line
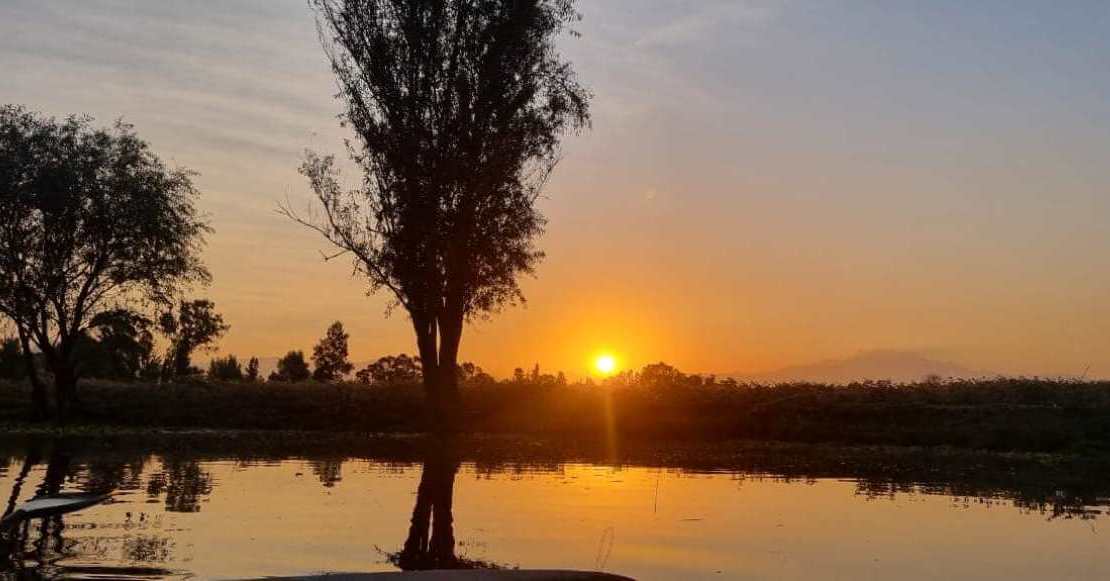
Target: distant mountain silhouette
897 366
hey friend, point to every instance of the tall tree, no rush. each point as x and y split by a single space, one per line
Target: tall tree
251 374
195 325
329 356
458 108
90 220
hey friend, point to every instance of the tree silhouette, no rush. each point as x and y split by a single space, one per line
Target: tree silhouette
430 543
124 341
225 369
90 219
391 370
11 359
252 370
458 107
329 356
469 372
195 325
291 368
659 375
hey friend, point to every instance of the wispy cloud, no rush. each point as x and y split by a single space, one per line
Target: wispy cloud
711 16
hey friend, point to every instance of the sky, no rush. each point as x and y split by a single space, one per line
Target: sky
765 184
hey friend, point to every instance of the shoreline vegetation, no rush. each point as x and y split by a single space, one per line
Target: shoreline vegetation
997 415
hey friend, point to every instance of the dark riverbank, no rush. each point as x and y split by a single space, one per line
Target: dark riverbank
1001 415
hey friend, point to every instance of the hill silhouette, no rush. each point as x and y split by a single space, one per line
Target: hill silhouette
892 365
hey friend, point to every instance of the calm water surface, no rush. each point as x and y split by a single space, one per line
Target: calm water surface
176 515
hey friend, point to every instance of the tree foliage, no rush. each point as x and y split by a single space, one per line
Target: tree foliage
225 369
124 341
194 325
90 220
291 368
252 370
11 359
458 108
659 375
329 356
390 370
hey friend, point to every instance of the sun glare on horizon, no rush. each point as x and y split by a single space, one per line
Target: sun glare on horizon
605 364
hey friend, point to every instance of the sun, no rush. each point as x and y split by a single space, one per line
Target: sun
605 364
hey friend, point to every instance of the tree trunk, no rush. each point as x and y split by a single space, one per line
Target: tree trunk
40 410
449 400
443 399
439 365
181 362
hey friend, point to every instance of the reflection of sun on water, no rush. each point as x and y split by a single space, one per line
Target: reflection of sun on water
605 364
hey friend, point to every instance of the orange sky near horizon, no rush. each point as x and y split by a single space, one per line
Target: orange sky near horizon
766 184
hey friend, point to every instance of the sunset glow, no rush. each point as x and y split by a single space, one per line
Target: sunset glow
783 259
536 290
605 364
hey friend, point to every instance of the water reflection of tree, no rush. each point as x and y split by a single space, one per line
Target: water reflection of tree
1040 498
430 543
184 483
49 544
38 548
328 471
32 458
107 475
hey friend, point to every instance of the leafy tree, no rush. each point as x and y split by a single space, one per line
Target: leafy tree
90 219
252 370
458 108
195 325
468 371
391 370
659 375
292 368
11 360
125 343
154 370
330 355
225 369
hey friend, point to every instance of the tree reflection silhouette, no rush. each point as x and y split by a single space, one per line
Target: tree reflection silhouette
431 538
183 481
50 543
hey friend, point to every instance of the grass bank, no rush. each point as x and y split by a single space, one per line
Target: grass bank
998 414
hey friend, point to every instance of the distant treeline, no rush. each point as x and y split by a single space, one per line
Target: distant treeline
656 403
120 345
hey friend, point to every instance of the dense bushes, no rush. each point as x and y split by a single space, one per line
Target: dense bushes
999 414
